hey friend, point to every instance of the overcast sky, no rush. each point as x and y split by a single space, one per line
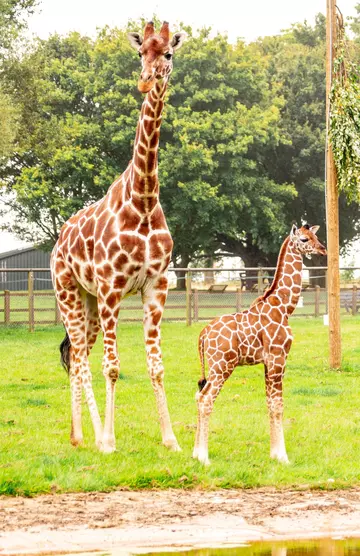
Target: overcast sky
239 18
248 20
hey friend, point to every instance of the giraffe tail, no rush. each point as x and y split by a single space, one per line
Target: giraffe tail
65 353
202 381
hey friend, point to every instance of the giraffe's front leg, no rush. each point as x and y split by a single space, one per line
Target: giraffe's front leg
109 313
154 297
274 372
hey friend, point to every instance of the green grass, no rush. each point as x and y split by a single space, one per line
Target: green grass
322 417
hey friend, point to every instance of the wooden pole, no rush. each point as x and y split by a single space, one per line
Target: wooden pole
354 300
260 281
238 299
31 301
7 307
188 298
196 304
317 301
332 203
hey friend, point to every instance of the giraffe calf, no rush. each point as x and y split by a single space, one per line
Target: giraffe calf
260 334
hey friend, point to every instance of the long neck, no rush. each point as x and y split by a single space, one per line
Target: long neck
144 165
286 286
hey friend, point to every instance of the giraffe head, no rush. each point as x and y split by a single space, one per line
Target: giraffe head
305 240
156 52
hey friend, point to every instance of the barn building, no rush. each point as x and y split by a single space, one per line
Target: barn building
29 258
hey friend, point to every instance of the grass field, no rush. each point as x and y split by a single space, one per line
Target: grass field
322 417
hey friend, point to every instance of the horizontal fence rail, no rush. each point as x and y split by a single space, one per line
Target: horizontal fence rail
195 294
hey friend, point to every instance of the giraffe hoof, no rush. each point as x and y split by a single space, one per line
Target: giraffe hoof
280 458
203 458
107 448
77 441
107 445
172 445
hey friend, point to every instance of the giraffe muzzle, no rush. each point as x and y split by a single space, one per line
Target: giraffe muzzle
146 81
145 86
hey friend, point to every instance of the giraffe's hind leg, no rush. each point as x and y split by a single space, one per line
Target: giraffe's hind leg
72 306
73 348
92 330
218 374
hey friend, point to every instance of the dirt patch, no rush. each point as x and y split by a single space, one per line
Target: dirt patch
147 520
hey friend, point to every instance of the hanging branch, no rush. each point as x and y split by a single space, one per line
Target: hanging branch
345 118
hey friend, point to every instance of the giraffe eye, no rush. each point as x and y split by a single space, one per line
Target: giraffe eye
304 239
168 55
140 54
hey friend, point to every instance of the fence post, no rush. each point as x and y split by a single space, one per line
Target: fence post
7 307
31 301
196 304
317 300
260 283
354 299
188 298
238 299
57 313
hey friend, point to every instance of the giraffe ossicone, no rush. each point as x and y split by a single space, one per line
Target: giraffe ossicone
260 334
118 246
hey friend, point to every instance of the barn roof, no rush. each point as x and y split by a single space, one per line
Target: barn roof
17 252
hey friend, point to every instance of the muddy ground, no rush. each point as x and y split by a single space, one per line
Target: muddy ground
128 521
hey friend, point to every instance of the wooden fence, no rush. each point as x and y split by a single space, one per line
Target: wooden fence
196 302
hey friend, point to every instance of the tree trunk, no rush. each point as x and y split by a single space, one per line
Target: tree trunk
181 274
209 275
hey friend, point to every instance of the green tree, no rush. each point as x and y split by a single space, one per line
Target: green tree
79 113
296 65
242 141
13 14
222 115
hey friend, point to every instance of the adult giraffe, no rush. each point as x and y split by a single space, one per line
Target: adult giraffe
116 247
259 335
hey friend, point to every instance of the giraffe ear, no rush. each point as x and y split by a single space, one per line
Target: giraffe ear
293 230
135 40
177 40
314 229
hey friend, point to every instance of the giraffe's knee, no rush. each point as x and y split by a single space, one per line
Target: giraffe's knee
111 370
156 372
112 373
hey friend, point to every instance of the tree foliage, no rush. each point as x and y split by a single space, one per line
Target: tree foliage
241 149
13 15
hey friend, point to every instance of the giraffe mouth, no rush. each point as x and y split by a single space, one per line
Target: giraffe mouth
146 86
